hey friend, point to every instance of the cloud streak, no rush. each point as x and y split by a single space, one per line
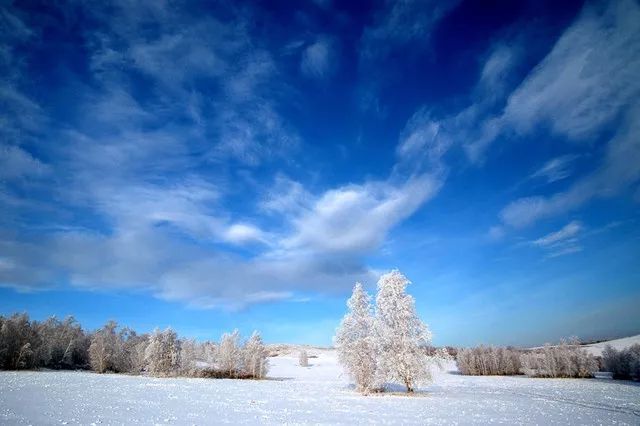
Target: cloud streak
562 242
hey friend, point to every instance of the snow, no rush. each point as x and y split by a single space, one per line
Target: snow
597 348
315 394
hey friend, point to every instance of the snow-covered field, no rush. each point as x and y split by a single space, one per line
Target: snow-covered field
316 394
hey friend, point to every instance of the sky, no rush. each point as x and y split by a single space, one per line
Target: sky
220 165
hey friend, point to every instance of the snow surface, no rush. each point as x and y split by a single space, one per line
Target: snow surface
317 394
597 348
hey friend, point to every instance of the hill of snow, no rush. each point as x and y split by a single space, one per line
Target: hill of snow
597 348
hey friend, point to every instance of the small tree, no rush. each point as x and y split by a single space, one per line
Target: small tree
163 352
103 348
188 356
18 342
229 355
303 358
401 336
624 364
355 341
255 357
567 359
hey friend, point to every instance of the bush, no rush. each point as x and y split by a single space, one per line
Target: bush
564 360
624 364
303 359
488 361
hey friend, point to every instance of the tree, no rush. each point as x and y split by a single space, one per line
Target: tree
355 341
229 359
188 356
18 339
303 358
255 357
567 359
624 363
401 336
488 360
163 352
103 348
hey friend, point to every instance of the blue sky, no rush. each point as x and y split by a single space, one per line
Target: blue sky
236 164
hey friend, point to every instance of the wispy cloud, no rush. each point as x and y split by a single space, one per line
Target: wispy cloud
16 163
319 58
578 89
570 230
618 170
556 169
399 23
562 242
582 84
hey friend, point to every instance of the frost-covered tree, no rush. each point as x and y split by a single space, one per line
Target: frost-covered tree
484 360
63 344
303 358
401 337
104 348
136 347
567 359
255 357
163 352
624 363
188 356
18 339
209 353
355 341
229 354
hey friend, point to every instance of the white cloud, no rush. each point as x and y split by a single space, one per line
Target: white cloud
150 172
619 170
399 22
16 163
569 231
561 242
556 169
241 233
319 59
565 251
404 26
356 218
585 82
496 71
428 138
286 196
186 60
422 138
585 85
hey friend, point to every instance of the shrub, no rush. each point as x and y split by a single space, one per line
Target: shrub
303 358
564 360
488 361
624 364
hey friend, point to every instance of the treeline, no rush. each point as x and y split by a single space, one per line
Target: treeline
55 344
567 359
624 364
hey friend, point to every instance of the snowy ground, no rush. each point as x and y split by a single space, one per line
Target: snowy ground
317 394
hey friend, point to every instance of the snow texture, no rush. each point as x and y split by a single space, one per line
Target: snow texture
319 394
